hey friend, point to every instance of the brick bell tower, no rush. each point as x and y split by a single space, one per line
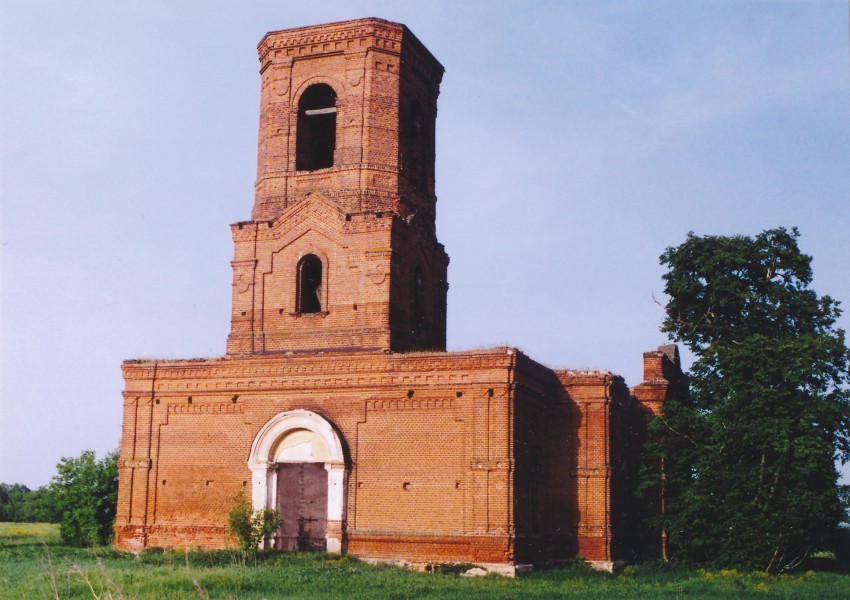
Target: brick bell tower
341 250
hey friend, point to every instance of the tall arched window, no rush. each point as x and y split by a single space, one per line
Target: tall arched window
418 300
309 285
416 143
315 139
535 487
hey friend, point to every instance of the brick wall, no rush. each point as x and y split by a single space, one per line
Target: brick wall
476 456
428 446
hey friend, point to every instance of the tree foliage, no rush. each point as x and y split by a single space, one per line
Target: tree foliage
750 454
19 504
86 493
252 527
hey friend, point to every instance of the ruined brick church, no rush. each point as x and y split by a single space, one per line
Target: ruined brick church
336 401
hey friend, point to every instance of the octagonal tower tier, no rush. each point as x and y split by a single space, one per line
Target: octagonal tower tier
341 251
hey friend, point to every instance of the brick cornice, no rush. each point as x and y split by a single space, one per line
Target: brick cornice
332 371
333 38
319 39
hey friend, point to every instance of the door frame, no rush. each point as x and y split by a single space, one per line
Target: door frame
264 468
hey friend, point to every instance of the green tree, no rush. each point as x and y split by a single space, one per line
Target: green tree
41 506
750 454
86 494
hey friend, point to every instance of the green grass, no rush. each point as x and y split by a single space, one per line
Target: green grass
30 568
17 534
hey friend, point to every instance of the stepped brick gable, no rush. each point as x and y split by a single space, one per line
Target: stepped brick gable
336 401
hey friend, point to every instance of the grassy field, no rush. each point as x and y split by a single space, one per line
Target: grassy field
34 565
14 534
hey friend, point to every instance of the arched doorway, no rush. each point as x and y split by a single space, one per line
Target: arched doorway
297 465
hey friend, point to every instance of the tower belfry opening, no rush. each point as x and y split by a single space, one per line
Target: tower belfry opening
316 137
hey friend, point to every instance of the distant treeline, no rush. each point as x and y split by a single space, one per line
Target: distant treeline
19 504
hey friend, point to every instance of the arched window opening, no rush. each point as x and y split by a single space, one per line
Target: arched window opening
309 285
316 134
536 484
416 143
418 300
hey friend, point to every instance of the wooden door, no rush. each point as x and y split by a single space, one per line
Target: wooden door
302 497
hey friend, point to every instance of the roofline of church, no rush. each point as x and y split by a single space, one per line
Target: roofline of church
337 352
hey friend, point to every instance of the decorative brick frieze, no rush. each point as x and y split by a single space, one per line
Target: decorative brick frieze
208 408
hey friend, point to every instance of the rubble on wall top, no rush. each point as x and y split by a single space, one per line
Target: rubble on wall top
585 373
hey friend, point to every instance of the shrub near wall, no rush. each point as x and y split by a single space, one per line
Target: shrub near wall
86 492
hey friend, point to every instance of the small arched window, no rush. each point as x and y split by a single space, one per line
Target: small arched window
309 285
315 139
418 300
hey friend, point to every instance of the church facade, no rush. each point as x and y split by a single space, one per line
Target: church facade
336 401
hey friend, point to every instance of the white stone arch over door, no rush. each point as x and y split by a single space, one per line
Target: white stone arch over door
264 458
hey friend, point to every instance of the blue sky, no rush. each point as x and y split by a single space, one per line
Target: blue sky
576 141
